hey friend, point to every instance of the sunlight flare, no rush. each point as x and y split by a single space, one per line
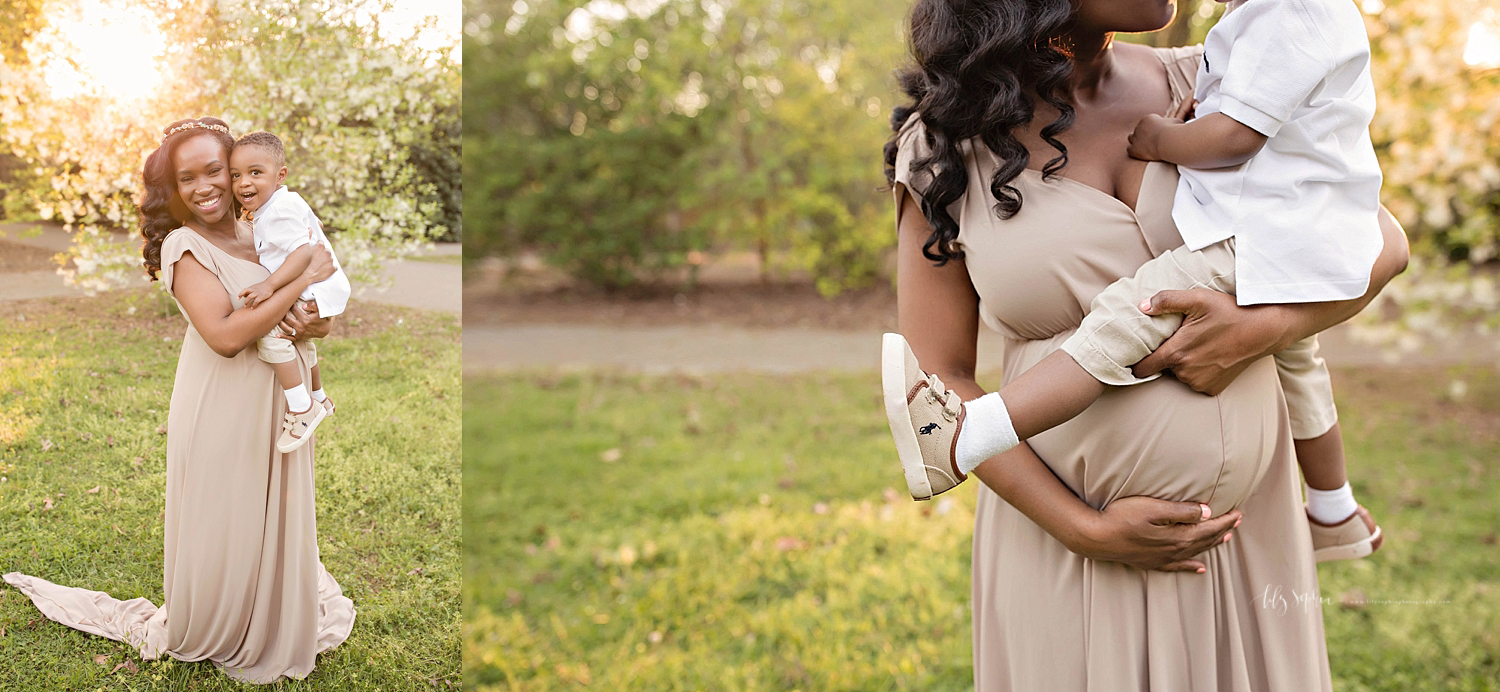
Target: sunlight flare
102 47
1483 46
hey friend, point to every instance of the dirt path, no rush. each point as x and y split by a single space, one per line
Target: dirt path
752 328
710 348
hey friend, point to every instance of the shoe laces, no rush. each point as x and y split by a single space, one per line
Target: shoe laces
949 399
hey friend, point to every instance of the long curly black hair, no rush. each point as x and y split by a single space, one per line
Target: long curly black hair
977 66
161 208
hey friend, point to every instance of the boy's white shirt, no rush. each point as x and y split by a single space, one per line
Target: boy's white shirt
1303 211
280 228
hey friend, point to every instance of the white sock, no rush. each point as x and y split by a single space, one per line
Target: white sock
1327 506
318 395
297 399
987 431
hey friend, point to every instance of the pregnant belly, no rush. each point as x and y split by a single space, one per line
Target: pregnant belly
1164 440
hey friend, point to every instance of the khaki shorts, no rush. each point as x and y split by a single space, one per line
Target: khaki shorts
274 349
1116 334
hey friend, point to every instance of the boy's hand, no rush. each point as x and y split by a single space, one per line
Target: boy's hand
256 294
1145 142
1187 110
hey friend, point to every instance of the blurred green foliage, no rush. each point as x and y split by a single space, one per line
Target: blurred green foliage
615 138
619 138
19 19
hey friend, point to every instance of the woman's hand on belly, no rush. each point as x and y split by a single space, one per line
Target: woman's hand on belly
1148 533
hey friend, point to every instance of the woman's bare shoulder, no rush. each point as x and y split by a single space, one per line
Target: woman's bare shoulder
184 241
1177 67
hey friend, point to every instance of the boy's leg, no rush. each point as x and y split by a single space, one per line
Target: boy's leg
318 394
1116 335
290 379
1315 432
304 414
1341 528
281 355
1113 336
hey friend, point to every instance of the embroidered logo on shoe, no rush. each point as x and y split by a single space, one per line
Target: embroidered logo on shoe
927 429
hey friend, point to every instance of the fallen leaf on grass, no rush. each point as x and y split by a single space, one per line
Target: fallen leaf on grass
102 659
417 570
110 440
129 666
611 455
136 462
94 490
46 445
161 429
47 504
117 529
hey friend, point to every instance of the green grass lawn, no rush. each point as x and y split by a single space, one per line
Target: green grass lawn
84 388
748 532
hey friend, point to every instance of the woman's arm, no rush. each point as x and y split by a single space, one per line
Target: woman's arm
938 312
293 266
1218 339
227 330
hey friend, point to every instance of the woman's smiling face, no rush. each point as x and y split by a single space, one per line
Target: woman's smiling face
202 170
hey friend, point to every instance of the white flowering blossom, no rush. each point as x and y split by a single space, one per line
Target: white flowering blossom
1437 131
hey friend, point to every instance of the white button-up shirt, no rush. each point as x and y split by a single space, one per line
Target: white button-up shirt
1303 211
281 226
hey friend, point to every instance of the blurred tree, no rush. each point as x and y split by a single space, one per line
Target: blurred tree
570 150
368 119
19 19
1437 127
617 136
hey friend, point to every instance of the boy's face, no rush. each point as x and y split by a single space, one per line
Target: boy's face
254 175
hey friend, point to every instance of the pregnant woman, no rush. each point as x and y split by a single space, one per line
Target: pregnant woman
1016 205
243 584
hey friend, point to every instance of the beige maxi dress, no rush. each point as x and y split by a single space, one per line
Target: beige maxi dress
1045 618
243 584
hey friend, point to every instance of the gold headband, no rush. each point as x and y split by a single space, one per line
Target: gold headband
194 125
